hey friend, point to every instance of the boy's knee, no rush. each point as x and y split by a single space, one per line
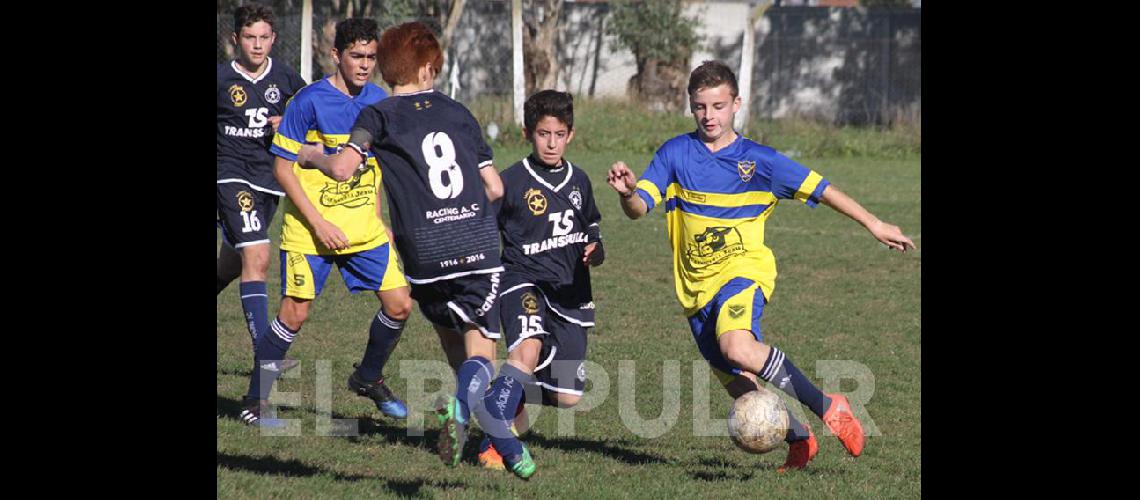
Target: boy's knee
294 313
398 309
255 258
568 400
559 399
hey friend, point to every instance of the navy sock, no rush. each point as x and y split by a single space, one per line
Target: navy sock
474 375
255 304
383 336
779 370
796 430
271 348
500 406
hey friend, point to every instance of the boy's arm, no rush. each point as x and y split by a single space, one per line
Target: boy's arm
339 167
889 234
329 235
492 183
621 178
595 253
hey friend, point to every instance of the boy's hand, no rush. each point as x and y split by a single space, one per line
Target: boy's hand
890 235
592 256
621 178
275 121
330 235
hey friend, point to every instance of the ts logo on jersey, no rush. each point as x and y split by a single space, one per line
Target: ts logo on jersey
746 168
245 201
237 95
535 201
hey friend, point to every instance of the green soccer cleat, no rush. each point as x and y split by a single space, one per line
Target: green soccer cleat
453 431
524 467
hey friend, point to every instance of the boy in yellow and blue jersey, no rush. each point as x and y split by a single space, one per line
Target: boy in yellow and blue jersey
718 188
328 222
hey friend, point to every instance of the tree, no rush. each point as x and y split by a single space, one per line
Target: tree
440 15
541 31
662 41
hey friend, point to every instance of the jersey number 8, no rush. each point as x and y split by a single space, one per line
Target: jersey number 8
439 153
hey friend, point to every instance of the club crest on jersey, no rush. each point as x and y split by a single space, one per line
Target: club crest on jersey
746 168
272 94
245 201
535 201
735 310
529 303
576 198
237 95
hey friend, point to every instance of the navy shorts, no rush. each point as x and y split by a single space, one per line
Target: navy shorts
467 299
244 214
525 314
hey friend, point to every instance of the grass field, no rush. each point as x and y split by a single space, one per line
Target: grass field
841 301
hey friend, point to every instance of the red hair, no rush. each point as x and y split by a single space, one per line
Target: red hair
406 48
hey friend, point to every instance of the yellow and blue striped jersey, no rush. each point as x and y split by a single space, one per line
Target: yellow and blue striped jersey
320 113
716 205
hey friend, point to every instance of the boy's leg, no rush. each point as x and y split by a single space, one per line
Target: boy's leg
740 344
473 376
271 350
244 215
302 278
229 266
802 445
254 292
502 405
377 270
472 304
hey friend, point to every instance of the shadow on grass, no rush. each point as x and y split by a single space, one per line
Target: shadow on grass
743 468
409 488
609 449
278 467
296 468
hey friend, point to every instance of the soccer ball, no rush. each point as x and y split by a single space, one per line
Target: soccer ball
758 421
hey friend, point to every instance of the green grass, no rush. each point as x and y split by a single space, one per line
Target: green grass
840 296
604 125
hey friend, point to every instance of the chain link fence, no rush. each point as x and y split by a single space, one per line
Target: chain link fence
847 66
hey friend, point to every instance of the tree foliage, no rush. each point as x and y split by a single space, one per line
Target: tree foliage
662 40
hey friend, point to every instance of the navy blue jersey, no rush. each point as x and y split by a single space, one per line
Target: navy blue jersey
244 133
547 218
431 150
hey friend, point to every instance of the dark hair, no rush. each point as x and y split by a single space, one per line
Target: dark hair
251 13
548 102
404 49
711 74
355 29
